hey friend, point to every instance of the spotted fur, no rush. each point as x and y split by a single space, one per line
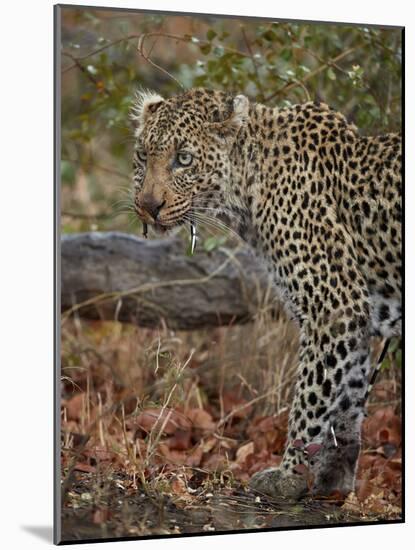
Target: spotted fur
321 205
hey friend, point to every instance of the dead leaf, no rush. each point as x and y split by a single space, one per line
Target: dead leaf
236 405
179 486
195 457
209 444
352 504
167 419
243 452
215 462
84 467
201 419
175 457
180 440
100 454
364 488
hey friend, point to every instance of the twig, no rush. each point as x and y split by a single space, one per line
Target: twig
140 49
155 34
304 88
290 85
99 50
85 71
192 40
254 62
153 443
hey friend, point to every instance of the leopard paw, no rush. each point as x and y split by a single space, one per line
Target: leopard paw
276 483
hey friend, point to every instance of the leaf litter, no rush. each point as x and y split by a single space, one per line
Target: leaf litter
139 459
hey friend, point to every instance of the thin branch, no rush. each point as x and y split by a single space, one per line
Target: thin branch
330 63
156 34
192 40
290 85
85 71
304 88
95 52
140 49
254 62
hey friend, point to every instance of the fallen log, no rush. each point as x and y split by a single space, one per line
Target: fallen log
150 282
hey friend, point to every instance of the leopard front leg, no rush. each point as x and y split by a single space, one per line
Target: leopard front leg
325 420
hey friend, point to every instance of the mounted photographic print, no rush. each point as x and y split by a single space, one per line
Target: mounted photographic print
228 237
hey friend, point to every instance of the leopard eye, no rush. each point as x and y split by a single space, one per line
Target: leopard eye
142 155
184 159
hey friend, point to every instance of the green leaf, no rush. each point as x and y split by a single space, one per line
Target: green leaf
394 345
219 51
210 35
286 54
213 242
67 172
205 48
398 358
386 363
269 35
212 65
200 80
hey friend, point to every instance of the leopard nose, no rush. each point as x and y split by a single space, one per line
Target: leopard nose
152 205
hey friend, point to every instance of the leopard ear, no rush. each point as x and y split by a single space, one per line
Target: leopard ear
229 128
145 103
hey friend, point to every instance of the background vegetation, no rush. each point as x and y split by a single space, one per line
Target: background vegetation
177 417
107 55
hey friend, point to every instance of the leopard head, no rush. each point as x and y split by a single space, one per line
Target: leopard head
182 154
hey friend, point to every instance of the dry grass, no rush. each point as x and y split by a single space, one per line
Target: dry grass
189 414
108 368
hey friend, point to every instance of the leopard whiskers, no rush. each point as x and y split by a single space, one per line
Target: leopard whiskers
126 201
199 207
203 209
202 203
121 203
210 222
212 213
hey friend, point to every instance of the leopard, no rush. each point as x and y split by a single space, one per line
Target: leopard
320 204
